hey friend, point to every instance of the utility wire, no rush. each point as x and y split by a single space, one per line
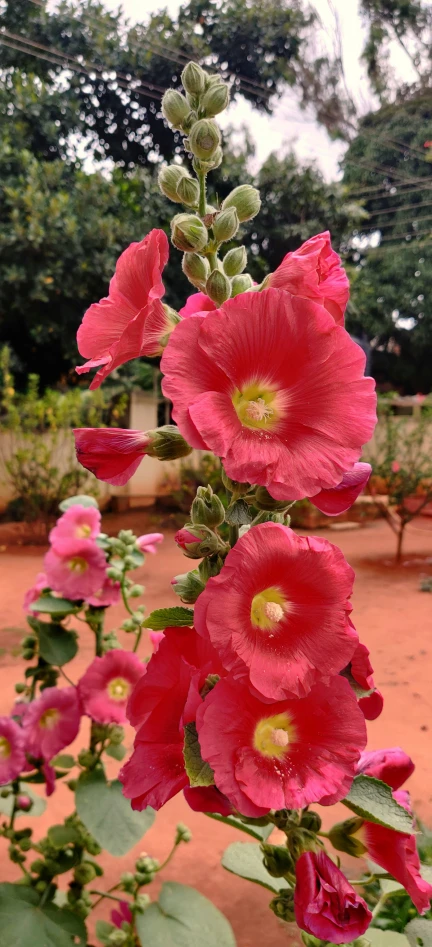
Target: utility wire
390 224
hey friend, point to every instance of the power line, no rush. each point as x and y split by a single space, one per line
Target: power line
395 210
390 224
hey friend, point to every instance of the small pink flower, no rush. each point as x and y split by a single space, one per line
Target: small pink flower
393 765
34 593
325 903
147 542
395 466
109 594
122 914
198 302
315 271
50 778
189 539
339 499
131 320
156 637
111 454
75 567
107 684
51 722
79 522
24 803
12 750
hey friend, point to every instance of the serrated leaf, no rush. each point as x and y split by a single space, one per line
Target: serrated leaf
245 859
198 771
176 617
372 800
50 605
57 646
38 807
117 751
61 835
261 832
108 816
379 938
103 931
238 514
80 500
419 931
183 918
25 923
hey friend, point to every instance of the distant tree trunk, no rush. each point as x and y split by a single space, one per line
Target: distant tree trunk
400 537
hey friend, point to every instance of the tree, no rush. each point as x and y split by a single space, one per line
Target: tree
409 24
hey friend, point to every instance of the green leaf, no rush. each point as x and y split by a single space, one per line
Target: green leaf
103 931
388 887
419 931
199 772
117 751
81 500
176 617
108 816
50 605
56 645
38 807
137 558
372 800
23 923
379 938
61 835
261 832
245 859
64 761
238 514
183 918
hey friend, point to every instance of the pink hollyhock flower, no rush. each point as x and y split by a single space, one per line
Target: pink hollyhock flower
12 750
121 914
190 539
79 522
75 567
50 778
314 271
393 765
325 903
395 466
198 302
131 320
281 755
341 498
284 602
361 670
111 454
147 542
51 722
207 799
396 852
278 421
107 684
34 593
156 637
108 594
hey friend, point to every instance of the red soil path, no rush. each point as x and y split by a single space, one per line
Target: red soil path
393 618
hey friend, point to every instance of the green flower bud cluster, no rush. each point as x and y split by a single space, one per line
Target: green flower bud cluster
283 905
277 860
183 834
207 509
145 869
166 443
29 646
188 586
343 837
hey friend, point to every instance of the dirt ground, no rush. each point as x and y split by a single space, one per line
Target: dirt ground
393 618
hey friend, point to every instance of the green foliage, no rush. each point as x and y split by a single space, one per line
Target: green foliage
418 932
57 646
108 815
406 22
183 918
175 617
198 771
402 455
51 605
38 803
261 832
378 938
372 800
246 860
24 922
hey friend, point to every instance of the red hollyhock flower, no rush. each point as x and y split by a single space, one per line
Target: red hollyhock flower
271 385
131 320
111 454
393 765
362 672
198 302
281 755
315 271
279 608
341 498
207 799
325 903
105 687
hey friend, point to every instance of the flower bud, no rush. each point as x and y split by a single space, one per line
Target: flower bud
207 509
183 834
235 261
301 840
141 903
263 501
204 139
218 287
24 803
168 179
311 821
188 586
188 190
193 78
310 941
127 881
226 225
246 200
215 100
234 486
116 735
277 860
117 938
241 284
175 107
342 836
199 541
214 79
84 873
283 905
196 268
188 232
166 443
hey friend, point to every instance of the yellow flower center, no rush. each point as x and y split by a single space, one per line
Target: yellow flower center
268 608
83 532
78 564
5 748
49 719
273 735
256 406
118 688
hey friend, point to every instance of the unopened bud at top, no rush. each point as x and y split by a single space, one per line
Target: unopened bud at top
344 837
218 287
277 860
199 541
226 225
188 586
241 284
235 261
168 179
166 443
215 100
204 139
207 508
246 200
188 233
188 191
196 268
175 108
193 78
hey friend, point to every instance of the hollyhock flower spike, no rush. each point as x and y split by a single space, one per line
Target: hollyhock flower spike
78 522
325 903
131 321
111 454
198 302
34 593
12 750
75 567
277 421
51 722
107 684
279 608
393 766
314 271
147 543
108 594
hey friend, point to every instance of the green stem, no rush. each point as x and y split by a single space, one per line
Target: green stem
123 595
15 788
213 260
105 894
169 857
323 834
233 535
66 677
379 905
202 193
137 640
